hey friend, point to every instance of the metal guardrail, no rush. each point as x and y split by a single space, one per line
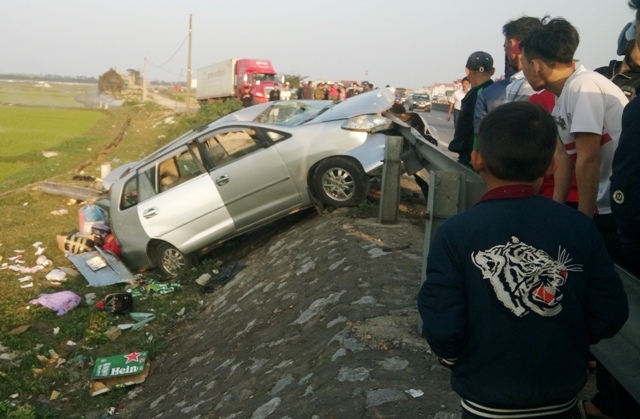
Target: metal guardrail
454 188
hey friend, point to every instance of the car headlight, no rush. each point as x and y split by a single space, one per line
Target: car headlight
367 123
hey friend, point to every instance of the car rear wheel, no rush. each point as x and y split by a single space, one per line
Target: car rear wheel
170 261
340 182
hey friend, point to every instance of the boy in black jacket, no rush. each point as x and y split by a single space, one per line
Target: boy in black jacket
519 286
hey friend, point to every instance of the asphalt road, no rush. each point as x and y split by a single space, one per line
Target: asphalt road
438 120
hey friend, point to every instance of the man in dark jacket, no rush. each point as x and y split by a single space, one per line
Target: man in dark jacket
626 73
479 70
275 93
518 286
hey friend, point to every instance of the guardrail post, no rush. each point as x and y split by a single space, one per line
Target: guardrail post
390 192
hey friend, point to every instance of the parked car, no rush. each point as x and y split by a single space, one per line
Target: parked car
420 101
242 171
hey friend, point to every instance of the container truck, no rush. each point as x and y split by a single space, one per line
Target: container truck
225 80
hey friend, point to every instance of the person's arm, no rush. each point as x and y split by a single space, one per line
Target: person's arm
563 174
479 113
441 301
587 170
450 110
605 304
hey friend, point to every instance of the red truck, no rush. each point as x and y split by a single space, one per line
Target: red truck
225 79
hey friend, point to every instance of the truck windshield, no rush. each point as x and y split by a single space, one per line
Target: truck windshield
264 77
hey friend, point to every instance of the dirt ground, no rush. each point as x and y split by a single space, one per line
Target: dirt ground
322 322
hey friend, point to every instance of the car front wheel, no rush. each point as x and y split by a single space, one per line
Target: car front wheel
170 261
340 182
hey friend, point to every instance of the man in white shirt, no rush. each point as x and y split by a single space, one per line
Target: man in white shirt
588 112
285 94
455 102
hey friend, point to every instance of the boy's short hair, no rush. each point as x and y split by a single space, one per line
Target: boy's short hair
554 42
517 141
519 28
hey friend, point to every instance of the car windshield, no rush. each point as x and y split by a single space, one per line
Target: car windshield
420 97
291 113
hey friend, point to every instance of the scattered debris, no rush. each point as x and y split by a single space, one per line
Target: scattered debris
20 330
119 371
220 278
59 212
101 268
61 302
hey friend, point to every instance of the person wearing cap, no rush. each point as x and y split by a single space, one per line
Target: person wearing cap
626 73
479 69
275 93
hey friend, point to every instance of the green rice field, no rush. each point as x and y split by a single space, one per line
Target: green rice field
43 127
23 93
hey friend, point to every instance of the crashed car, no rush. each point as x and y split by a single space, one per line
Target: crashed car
242 171
420 101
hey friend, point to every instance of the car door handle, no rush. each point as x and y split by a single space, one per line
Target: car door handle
151 212
224 179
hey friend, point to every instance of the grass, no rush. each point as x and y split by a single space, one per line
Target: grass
28 380
27 93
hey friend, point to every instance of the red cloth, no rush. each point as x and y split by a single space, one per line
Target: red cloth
548 101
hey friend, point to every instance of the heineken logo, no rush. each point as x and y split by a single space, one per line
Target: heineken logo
124 371
120 365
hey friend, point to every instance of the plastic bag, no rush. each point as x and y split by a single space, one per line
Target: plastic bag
61 302
88 215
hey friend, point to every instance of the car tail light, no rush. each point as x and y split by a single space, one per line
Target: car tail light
367 123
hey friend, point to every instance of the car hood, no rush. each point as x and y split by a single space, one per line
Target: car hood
372 102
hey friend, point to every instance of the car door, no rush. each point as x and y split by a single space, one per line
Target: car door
250 175
181 204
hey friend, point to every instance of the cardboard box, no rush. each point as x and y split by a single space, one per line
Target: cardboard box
119 371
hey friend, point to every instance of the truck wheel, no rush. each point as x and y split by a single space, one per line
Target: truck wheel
170 261
340 182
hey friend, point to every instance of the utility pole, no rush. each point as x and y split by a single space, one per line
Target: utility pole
188 99
144 81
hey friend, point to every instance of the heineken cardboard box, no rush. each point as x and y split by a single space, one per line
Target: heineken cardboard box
118 371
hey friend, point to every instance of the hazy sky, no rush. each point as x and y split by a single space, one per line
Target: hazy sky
403 43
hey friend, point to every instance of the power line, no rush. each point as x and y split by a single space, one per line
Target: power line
160 66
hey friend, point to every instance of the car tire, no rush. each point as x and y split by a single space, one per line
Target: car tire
170 261
340 182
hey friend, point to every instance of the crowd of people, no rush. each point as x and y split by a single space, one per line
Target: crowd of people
328 90
518 287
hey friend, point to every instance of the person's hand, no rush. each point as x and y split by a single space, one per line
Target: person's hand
448 117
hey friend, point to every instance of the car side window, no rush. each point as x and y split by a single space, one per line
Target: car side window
178 169
129 194
276 136
229 145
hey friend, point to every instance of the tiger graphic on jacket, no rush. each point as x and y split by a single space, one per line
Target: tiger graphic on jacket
524 278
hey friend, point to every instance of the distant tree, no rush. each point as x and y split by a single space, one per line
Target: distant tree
137 79
293 79
111 82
